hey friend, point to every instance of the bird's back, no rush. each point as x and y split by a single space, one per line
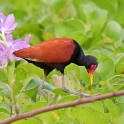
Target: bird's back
58 50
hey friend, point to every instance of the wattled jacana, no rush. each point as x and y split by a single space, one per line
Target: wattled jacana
57 54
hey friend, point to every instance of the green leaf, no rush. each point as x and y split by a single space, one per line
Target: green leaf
21 17
27 121
7 92
98 105
25 102
4 107
62 29
3 86
62 10
4 116
103 71
84 76
112 108
58 5
66 119
96 39
68 98
120 99
118 50
120 17
46 118
114 32
3 75
84 114
28 79
121 119
94 15
32 69
116 78
120 65
38 105
105 89
74 70
34 40
79 37
32 89
20 75
110 6
27 29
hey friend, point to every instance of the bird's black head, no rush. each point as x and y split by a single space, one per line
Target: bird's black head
90 64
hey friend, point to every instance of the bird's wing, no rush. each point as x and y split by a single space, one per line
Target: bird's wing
57 50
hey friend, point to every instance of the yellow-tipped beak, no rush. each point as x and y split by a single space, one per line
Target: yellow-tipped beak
91 79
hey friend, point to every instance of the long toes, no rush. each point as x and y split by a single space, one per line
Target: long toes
77 93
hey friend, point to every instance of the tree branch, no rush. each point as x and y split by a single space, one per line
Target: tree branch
64 105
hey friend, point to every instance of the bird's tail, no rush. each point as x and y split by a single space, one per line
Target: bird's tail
23 53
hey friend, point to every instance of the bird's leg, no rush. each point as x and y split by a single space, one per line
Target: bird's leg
70 91
63 84
40 87
46 72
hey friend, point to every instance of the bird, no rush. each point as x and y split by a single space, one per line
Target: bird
57 53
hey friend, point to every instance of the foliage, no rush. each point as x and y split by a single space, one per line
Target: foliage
98 26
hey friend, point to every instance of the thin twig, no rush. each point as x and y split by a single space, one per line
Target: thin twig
64 105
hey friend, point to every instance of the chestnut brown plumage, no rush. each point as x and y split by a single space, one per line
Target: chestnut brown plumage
58 53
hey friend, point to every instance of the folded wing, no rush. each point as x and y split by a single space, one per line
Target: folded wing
58 50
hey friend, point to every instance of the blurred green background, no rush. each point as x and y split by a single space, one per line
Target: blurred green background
98 26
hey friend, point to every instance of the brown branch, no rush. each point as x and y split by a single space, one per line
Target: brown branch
64 105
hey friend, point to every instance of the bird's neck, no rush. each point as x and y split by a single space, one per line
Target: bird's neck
80 60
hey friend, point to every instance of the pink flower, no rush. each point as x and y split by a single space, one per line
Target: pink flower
6 52
7 24
7 44
17 45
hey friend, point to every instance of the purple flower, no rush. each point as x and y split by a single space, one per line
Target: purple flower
17 45
7 44
7 24
6 52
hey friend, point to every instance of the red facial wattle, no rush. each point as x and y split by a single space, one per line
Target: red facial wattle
91 71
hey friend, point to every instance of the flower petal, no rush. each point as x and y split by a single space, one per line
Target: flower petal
2 18
4 54
9 21
8 25
10 29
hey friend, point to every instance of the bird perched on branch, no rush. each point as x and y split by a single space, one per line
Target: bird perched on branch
57 53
